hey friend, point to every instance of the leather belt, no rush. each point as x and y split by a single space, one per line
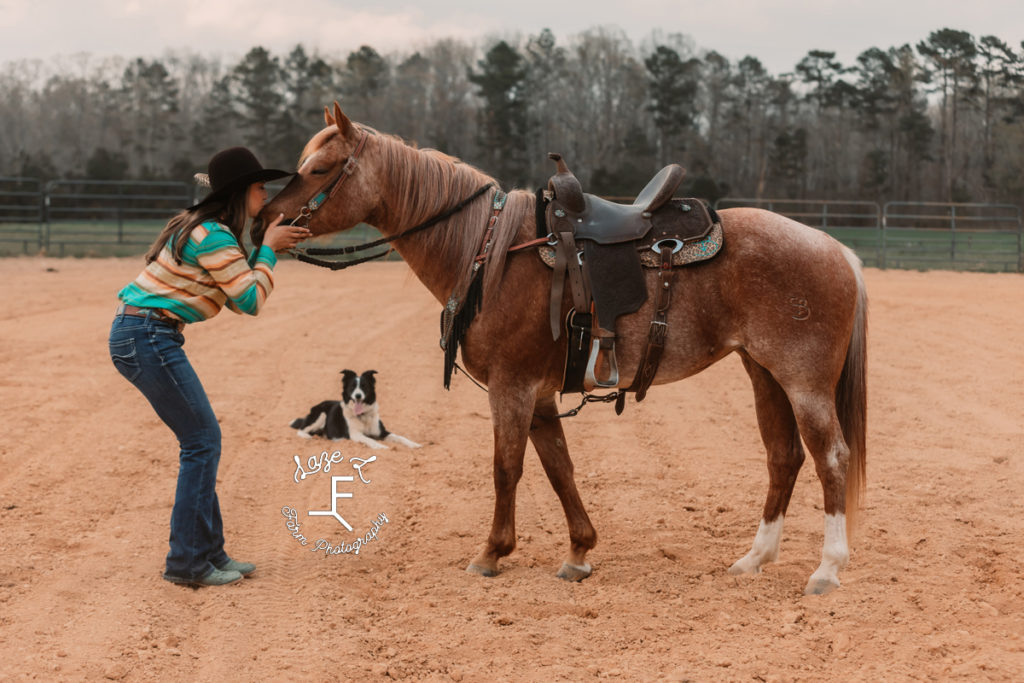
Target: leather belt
153 313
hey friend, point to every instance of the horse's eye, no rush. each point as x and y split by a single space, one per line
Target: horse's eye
319 171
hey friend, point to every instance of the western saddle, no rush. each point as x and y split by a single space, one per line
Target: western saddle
601 247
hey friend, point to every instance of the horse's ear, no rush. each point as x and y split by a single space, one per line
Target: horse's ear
341 121
328 119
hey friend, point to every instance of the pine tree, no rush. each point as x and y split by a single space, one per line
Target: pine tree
501 82
547 80
365 82
672 87
259 97
219 121
951 54
719 94
997 64
788 160
307 87
749 116
151 97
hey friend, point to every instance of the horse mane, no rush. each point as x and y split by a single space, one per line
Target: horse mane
425 183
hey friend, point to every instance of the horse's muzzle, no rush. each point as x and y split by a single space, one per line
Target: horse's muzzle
257 229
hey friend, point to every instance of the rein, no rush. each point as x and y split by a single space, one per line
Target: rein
307 255
587 398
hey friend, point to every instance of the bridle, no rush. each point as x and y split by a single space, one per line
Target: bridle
321 198
325 194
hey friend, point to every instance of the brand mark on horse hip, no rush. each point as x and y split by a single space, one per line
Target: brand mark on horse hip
803 310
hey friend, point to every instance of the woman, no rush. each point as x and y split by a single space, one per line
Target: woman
195 267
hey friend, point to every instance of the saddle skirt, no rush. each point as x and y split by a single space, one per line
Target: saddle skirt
692 252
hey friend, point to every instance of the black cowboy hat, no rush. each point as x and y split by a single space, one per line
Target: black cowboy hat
233 169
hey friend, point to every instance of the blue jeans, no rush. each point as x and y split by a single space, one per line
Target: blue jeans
148 353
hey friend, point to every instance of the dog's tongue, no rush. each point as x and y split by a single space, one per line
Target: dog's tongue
359 408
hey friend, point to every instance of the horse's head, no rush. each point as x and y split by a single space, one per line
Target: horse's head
334 189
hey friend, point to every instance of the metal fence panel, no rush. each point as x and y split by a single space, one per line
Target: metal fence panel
116 218
857 224
21 213
955 236
101 213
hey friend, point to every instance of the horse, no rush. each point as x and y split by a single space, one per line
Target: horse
789 299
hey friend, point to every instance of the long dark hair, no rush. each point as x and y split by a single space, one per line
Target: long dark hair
230 212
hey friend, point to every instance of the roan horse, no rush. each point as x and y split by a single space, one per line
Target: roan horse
790 300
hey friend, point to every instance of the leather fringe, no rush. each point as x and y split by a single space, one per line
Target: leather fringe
454 329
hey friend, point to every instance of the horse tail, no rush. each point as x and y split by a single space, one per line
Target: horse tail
851 401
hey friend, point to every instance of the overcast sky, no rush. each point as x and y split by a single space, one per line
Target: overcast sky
778 32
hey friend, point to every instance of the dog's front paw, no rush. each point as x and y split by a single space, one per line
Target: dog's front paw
395 438
303 434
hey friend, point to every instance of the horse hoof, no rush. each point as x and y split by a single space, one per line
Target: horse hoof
574 572
474 568
744 566
820 586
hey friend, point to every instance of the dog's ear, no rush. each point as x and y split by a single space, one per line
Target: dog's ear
347 374
370 373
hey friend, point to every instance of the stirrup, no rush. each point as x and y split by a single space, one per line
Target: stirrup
590 380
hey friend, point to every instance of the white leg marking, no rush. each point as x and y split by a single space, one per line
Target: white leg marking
402 440
835 553
765 548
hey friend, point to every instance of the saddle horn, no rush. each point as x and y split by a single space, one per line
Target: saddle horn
565 186
559 162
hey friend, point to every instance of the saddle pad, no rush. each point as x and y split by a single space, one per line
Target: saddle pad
692 252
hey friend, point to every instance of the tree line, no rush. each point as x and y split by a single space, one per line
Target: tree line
939 120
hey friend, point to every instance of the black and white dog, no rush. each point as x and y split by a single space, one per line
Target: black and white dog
356 416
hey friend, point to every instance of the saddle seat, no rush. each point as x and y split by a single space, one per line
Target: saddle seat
607 222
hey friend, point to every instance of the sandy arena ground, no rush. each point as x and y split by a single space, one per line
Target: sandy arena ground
933 591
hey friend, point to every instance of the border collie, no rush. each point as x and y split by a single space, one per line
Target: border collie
355 416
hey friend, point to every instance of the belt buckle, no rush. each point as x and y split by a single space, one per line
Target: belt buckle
157 314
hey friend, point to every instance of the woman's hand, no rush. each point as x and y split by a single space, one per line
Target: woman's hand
280 237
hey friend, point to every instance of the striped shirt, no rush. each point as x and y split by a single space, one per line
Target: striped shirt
213 273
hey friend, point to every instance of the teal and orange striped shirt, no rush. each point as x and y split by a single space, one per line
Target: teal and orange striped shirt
213 273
